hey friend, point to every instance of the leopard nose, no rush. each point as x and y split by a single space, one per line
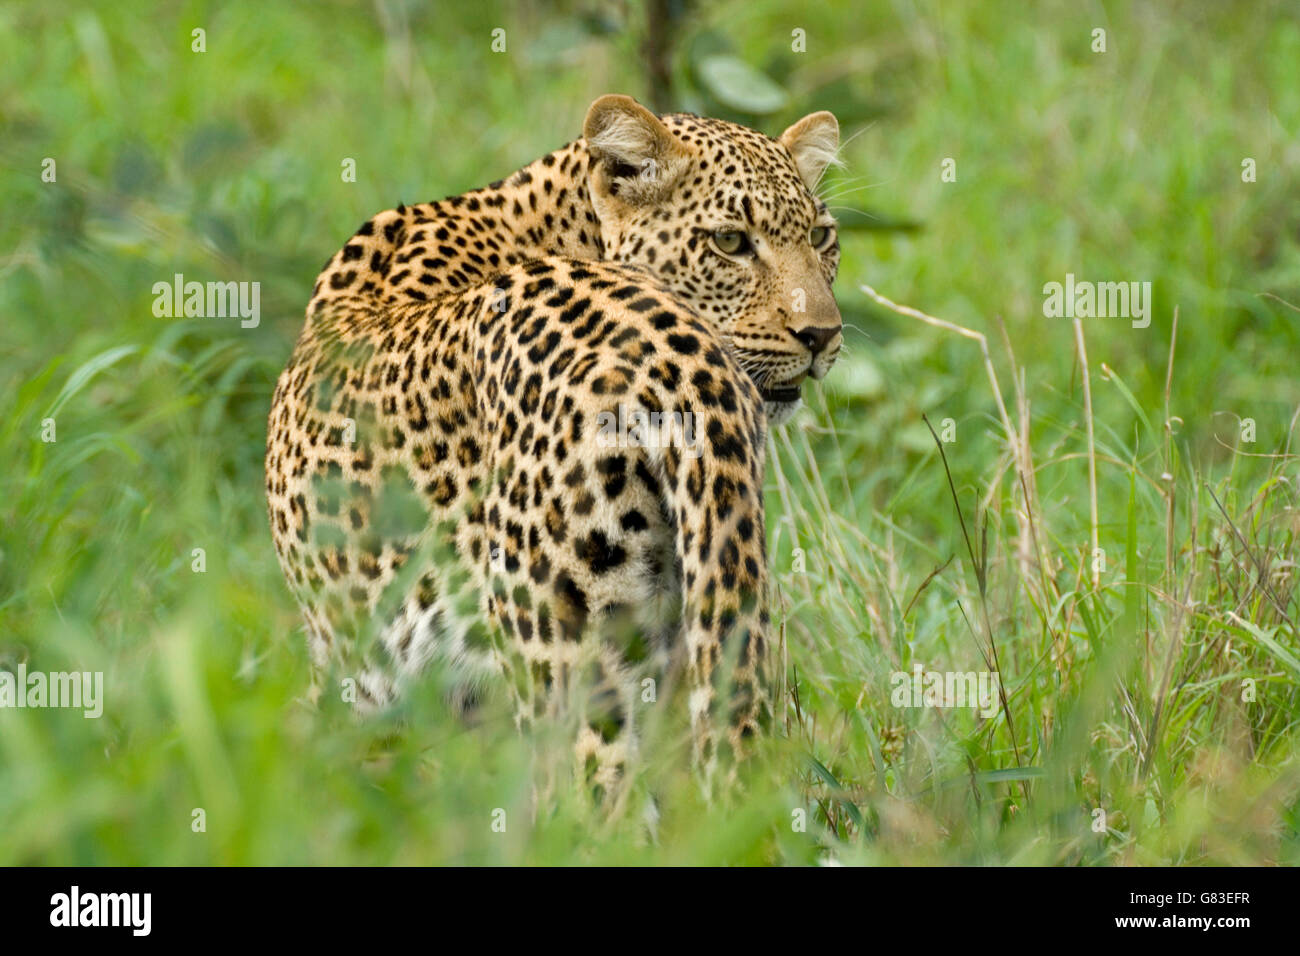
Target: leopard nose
816 338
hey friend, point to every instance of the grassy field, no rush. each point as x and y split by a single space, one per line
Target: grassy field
1119 544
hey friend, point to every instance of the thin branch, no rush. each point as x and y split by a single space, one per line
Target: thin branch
1092 450
962 331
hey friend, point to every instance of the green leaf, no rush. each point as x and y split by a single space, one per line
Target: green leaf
1010 774
1133 403
837 788
1266 639
1132 592
863 220
738 85
88 370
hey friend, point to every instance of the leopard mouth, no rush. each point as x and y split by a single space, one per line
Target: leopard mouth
782 392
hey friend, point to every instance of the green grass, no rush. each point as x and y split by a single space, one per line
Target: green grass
1124 695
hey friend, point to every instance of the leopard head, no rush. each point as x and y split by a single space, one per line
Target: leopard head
727 217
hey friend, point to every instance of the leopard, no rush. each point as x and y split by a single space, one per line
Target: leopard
521 436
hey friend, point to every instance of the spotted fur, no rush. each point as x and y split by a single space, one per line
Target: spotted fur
439 472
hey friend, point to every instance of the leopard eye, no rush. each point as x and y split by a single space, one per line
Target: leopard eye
731 242
819 236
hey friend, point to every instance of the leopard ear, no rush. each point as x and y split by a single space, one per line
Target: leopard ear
635 157
813 143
